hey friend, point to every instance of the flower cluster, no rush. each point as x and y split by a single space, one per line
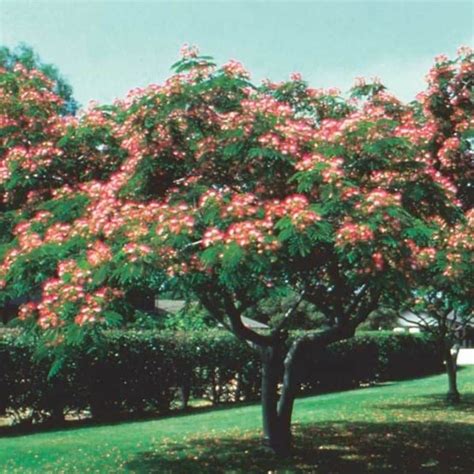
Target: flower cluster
241 205
174 220
94 304
136 251
212 236
249 232
235 69
378 198
450 146
351 233
98 253
296 207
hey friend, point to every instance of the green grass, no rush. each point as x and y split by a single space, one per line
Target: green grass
398 427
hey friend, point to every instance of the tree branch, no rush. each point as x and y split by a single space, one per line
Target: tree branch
364 310
358 298
421 325
238 327
291 310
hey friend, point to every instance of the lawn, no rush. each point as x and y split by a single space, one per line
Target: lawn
398 427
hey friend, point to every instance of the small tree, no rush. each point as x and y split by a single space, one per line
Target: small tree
233 194
443 299
444 289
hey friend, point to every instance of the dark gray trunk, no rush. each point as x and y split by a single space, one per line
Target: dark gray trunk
238 387
185 392
278 364
276 411
216 387
451 369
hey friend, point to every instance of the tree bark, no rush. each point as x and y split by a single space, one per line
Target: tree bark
185 392
279 364
452 396
276 424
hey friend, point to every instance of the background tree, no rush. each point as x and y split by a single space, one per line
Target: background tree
443 298
30 60
272 311
234 194
44 150
444 289
448 110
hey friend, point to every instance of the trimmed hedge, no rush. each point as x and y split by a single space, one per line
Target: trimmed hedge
372 357
149 371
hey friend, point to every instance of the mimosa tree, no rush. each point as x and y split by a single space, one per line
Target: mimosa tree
444 292
234 193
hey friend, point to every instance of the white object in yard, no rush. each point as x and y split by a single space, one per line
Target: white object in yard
465 357
414 330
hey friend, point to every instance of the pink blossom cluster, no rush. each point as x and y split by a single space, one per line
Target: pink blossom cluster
351 233
94 304
308 161
249 232
241 205
29 159
256 234
378 198
174 219
188 52
212 236
210 196
451 145
235 69
378 261
409 128
135 251
98 253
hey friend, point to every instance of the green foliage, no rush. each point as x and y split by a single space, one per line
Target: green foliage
373 356
193 317
26 56
139 371
66 209
271 311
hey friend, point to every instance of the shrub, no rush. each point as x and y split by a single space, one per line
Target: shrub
146 371
372 357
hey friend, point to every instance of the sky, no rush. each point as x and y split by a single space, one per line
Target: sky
105 48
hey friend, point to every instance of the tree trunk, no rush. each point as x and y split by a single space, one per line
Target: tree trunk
450 360
276 421
238 387
279 364
185 392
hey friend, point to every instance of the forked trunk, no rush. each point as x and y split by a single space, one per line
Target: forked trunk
451 369
277 408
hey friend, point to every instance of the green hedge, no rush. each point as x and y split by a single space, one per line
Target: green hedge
372 357
149 371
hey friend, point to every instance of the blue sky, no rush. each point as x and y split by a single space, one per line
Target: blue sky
106 48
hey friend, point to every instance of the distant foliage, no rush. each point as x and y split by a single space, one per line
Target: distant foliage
142 371
29 59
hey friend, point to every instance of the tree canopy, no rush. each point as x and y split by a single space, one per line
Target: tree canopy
230 192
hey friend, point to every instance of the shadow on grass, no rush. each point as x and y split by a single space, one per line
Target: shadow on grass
434 403
335 447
